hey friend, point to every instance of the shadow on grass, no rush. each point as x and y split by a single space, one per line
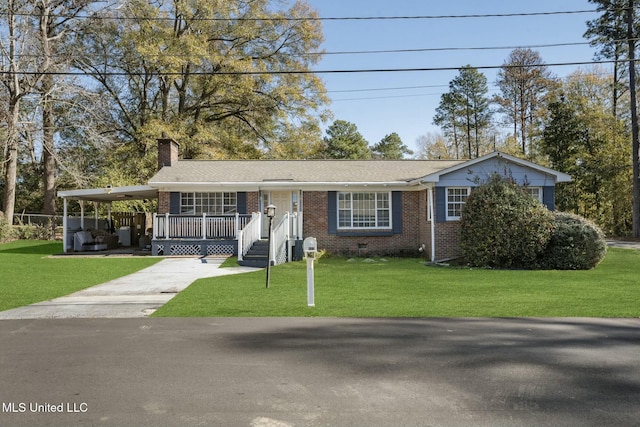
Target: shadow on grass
32 247
570 369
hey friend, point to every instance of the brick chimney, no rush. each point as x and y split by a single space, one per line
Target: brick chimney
167 152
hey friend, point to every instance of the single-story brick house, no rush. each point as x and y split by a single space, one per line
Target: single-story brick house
358 207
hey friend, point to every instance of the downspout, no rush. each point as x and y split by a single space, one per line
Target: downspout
433 224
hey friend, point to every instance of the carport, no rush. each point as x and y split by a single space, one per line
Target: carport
97 196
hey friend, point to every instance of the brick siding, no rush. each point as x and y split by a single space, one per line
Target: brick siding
163 202
416 230
167 152
406 243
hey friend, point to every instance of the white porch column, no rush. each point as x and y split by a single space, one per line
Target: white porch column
64 225
166 226
433 224
81 214
109 215
95 215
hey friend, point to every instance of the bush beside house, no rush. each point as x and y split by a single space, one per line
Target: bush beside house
576 244
502 226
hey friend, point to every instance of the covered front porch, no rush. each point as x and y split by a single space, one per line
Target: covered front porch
225 235
171 234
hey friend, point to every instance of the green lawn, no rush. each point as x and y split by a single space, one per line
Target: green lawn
407 288
28 275
396 288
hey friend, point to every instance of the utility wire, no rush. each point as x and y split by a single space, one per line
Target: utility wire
318 18
362 52
294 72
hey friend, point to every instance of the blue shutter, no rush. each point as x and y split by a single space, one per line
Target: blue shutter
549 197
396 211
332 212
174 202
441 204
241 202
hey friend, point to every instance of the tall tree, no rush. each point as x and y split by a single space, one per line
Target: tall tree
583 139
616 32
55 20
470 89
343 141
391 147
225 78
608 33
17 66
447 117
524 81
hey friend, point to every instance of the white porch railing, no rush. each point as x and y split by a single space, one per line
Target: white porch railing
249 234
170 226
280 250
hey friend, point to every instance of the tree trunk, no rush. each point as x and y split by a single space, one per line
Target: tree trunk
11 171
48 158
634 121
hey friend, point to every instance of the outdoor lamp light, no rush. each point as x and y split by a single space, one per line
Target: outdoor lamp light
271 212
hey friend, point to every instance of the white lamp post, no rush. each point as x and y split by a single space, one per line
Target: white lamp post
271 212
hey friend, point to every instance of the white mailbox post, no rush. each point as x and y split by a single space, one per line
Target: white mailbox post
310 248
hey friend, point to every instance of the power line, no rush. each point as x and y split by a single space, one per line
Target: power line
294 72
361 52
386 88
319 18
445 49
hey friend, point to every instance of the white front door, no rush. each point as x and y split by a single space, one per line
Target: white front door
282 201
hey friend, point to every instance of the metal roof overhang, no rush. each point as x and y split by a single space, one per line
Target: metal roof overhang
111 194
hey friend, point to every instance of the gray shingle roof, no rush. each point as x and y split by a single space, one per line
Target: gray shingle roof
303 171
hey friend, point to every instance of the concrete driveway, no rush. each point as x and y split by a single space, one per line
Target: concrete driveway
136 295
283 372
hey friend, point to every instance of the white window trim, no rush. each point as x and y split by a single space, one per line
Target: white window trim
446 195
540 191
339 227
193 196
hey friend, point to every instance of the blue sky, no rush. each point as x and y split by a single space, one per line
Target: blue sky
409 112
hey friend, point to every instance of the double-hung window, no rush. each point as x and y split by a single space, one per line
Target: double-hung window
535 192
364 210
208 203
456 198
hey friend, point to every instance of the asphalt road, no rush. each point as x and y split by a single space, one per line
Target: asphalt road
283 372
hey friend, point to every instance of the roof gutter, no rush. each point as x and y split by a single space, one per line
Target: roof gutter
324 185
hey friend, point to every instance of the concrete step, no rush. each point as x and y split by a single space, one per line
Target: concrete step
254 262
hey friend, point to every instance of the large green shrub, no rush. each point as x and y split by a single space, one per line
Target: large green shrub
576 244
6 231
503 227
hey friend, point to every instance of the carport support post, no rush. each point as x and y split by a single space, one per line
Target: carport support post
95 215
81 214
64 224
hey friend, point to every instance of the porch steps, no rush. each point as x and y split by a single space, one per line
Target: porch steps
257 255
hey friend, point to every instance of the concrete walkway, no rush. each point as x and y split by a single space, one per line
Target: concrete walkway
136 295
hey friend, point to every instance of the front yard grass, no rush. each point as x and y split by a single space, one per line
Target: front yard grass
408 288
28 275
